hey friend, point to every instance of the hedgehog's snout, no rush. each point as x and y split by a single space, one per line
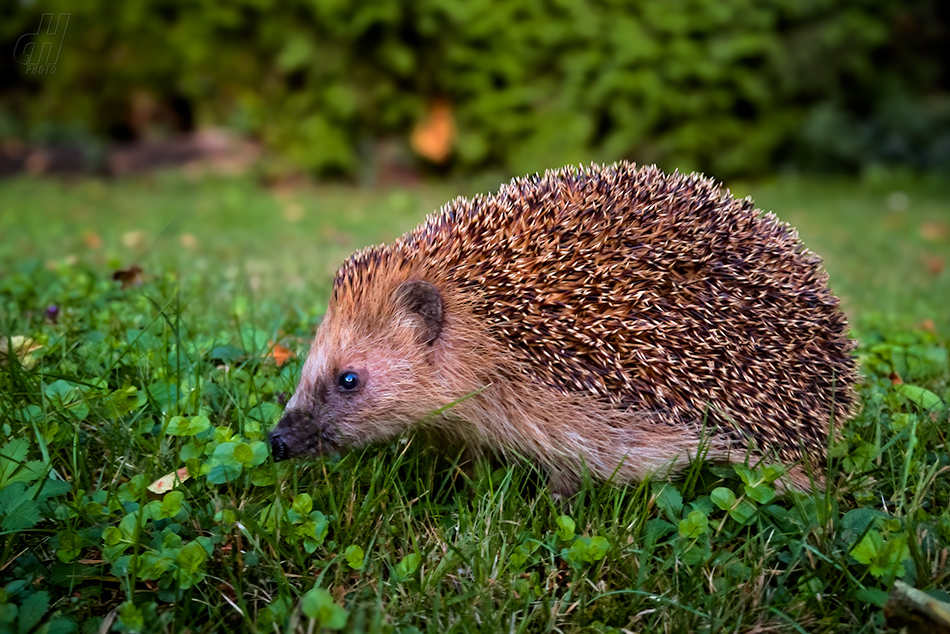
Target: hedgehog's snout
299 433
285 437
278 448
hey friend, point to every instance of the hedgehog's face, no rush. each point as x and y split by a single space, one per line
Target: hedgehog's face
363 383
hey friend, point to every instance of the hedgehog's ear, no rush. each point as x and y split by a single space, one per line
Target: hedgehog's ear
424 301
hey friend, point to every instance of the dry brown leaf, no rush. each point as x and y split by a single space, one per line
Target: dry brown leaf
131 276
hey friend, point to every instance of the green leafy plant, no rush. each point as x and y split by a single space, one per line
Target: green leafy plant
318 605
884 558
354 556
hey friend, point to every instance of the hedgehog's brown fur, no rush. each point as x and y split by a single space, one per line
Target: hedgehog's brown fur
617 318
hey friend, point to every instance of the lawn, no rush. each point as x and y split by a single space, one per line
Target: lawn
108 385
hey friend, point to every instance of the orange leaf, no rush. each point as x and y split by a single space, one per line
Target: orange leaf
432 137
934 264
281 354
92 240
934 231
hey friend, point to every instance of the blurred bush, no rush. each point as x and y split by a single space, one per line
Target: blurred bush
731 87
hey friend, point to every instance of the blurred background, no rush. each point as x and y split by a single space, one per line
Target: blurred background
258 142
390 89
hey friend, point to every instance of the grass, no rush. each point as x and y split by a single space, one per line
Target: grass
105 390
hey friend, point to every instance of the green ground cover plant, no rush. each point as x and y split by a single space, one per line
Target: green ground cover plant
137 494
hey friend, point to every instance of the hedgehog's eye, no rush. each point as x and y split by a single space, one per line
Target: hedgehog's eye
349 381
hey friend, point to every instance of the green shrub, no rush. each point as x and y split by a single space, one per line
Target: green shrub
728 87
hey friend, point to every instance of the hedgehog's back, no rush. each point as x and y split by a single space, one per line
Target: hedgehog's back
655 291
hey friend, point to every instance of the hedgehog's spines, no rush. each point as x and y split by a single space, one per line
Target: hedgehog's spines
647 290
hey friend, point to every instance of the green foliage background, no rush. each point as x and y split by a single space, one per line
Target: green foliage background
731 87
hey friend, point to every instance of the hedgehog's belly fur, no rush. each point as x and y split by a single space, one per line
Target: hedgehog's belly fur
568 434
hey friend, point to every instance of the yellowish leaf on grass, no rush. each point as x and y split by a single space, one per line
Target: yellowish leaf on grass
21 346
133 239
170 481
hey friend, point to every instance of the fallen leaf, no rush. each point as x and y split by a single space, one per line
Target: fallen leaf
934 264
293 212
92 240
133 239
934 231
69 260
38 162
280 354
168 482
433 137
21 346
928 325
895 378
131 276
189 241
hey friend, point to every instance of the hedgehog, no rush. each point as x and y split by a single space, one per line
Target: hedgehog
614 320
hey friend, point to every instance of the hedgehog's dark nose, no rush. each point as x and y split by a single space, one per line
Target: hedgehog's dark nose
278 448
